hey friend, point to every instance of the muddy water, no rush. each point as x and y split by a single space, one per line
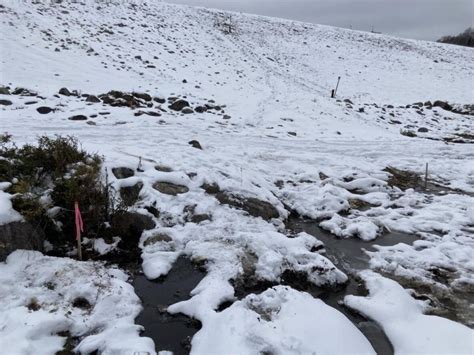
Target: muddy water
348 256
169 332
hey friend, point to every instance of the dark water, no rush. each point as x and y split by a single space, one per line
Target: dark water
348 256
174 333
169 332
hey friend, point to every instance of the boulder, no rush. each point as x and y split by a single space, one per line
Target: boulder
443 104
6 102
24 92
178 105
251 205
195 144
169 188
187 110
211 189
192 216
4 91
122 172
78 118
142 96
129 226
19 235
44 110
198 218
65 92
92 98
163 169
131 194
422 129
153 210
160 100
200 109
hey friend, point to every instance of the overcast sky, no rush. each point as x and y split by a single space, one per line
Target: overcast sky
420 19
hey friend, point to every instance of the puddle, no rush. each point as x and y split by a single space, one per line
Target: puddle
169 332
348 256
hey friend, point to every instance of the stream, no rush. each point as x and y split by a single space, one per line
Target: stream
348 256
174 332
169 332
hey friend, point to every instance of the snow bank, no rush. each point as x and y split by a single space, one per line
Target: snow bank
42 297
280 320
402 319
7 213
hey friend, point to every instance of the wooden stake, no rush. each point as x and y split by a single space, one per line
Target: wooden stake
79 249
335 91
426 176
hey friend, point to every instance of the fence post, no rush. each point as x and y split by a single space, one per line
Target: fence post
426 176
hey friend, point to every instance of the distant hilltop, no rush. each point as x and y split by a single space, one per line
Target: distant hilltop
463 39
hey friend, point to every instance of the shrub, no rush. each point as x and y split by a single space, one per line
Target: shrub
59 171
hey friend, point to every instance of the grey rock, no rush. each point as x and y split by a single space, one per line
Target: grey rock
160 100
6 102
199 218
443 104
92 98
19 235
44 110
195 144
129 226
78 118
251 205
65 92
187 110
423 129
131 194
211 189
4 91
122 172
142 95
169 188
178 105
164 169
200 109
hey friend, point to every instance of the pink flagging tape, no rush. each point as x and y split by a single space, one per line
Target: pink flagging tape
79 223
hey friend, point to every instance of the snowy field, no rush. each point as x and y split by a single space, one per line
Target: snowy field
276 136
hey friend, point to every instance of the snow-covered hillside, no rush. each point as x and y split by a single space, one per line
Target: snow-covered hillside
271 132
